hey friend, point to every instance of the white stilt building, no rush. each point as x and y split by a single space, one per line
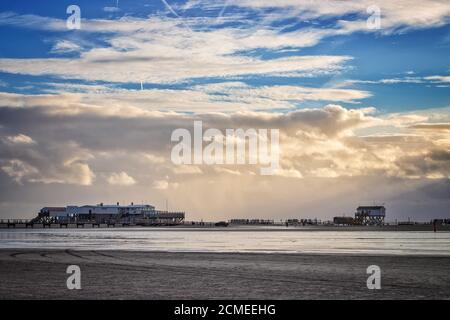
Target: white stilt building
137 214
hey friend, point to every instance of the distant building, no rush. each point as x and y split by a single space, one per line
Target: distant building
292 222
251 221
441 222
370 215
52 212
344 221
109 210
136 214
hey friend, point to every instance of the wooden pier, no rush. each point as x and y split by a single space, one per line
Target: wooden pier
25 224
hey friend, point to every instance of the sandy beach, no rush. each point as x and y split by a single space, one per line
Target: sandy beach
41 274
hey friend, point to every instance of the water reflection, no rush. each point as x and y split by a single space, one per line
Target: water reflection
201 240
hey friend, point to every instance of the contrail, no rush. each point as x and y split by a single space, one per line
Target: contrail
170 8
223 9
175 14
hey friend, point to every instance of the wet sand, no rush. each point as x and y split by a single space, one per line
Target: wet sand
41 274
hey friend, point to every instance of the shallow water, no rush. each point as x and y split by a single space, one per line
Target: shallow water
204 240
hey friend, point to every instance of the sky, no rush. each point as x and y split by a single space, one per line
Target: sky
359 91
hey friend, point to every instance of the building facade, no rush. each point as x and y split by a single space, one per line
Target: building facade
144 214
370 215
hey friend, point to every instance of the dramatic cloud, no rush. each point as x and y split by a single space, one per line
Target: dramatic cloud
90 112
319 142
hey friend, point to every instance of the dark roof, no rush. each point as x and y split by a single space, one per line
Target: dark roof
370 207
54 208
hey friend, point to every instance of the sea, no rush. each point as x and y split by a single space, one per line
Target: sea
258 240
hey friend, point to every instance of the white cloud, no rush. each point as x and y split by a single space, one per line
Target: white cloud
20 139
162 50
161 184
111 9
121 179
125 67
18 169
281 94
409 79
220 97
71 172
186 169
76 172
65 46
445 79
227 171
154 159
397 15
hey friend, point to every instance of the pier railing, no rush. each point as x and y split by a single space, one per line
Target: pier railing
18 221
